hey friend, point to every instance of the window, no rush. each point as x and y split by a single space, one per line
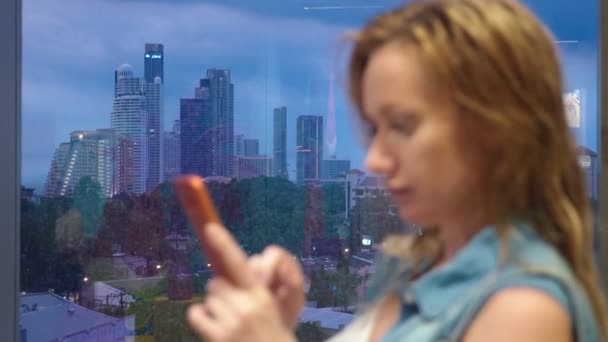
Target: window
117 104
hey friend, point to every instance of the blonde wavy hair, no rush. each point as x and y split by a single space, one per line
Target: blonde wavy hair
501 68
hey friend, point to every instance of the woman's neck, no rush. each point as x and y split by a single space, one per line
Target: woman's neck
456 234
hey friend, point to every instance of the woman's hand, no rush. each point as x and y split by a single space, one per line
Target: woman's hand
243 301
282 274
235 314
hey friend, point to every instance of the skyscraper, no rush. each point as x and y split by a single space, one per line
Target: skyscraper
125 174
57 171
252 166
129 119
333 169
153 91
172 152
221 99
89 153
251 147
154 107
194 137
309 147
207 127
239 145
154 57
279 148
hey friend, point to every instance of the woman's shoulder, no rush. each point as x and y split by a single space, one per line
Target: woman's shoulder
533 270
522 313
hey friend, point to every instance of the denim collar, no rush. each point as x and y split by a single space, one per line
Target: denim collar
440 288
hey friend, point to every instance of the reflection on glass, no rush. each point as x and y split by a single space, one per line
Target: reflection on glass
245 94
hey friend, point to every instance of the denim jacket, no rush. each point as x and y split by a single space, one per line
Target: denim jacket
441 304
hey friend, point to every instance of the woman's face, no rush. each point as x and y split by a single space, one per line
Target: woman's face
417 142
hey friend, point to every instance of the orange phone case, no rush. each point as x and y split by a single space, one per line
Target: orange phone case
195 199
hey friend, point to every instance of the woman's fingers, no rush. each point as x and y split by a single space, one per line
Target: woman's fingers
256 265
226 256
283 275
201 321
220 311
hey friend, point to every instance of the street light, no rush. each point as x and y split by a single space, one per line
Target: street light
158 267
86 279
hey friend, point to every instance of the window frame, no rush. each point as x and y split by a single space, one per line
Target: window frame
602 234
10 166
10 161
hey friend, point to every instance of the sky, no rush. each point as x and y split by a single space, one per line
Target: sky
281 53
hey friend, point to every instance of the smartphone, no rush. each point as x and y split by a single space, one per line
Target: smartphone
194 197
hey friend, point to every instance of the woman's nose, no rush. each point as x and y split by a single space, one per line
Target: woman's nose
377 159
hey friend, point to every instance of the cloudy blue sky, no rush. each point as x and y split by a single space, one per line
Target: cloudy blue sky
281 53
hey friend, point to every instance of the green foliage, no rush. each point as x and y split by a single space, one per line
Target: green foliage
334 289
262 211
170 322
89 201
376 217
334 203
310 332
143 309
156 316
43 266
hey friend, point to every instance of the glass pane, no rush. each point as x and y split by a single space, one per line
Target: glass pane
119 97
576 29
116 104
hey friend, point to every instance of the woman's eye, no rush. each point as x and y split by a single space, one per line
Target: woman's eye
369 131
404 128
372 131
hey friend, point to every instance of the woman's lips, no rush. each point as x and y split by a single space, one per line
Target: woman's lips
401 191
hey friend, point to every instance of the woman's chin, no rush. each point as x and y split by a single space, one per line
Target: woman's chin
413 216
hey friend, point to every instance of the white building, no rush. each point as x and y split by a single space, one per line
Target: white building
359 185
129 118
100 294
48 317
251 167
172 153
89 153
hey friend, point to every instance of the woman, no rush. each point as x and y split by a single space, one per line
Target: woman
464 103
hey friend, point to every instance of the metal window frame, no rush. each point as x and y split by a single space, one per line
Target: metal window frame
10 166
10 161
603 148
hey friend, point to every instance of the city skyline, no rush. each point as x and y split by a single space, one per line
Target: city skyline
204 131
66 85
215 96
199 133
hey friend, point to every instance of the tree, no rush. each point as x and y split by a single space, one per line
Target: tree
89 201
113 232
69 233
336 289
143 309
320 288
37 247
310 332
377 217
46 263
263 211
146 231
334 203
